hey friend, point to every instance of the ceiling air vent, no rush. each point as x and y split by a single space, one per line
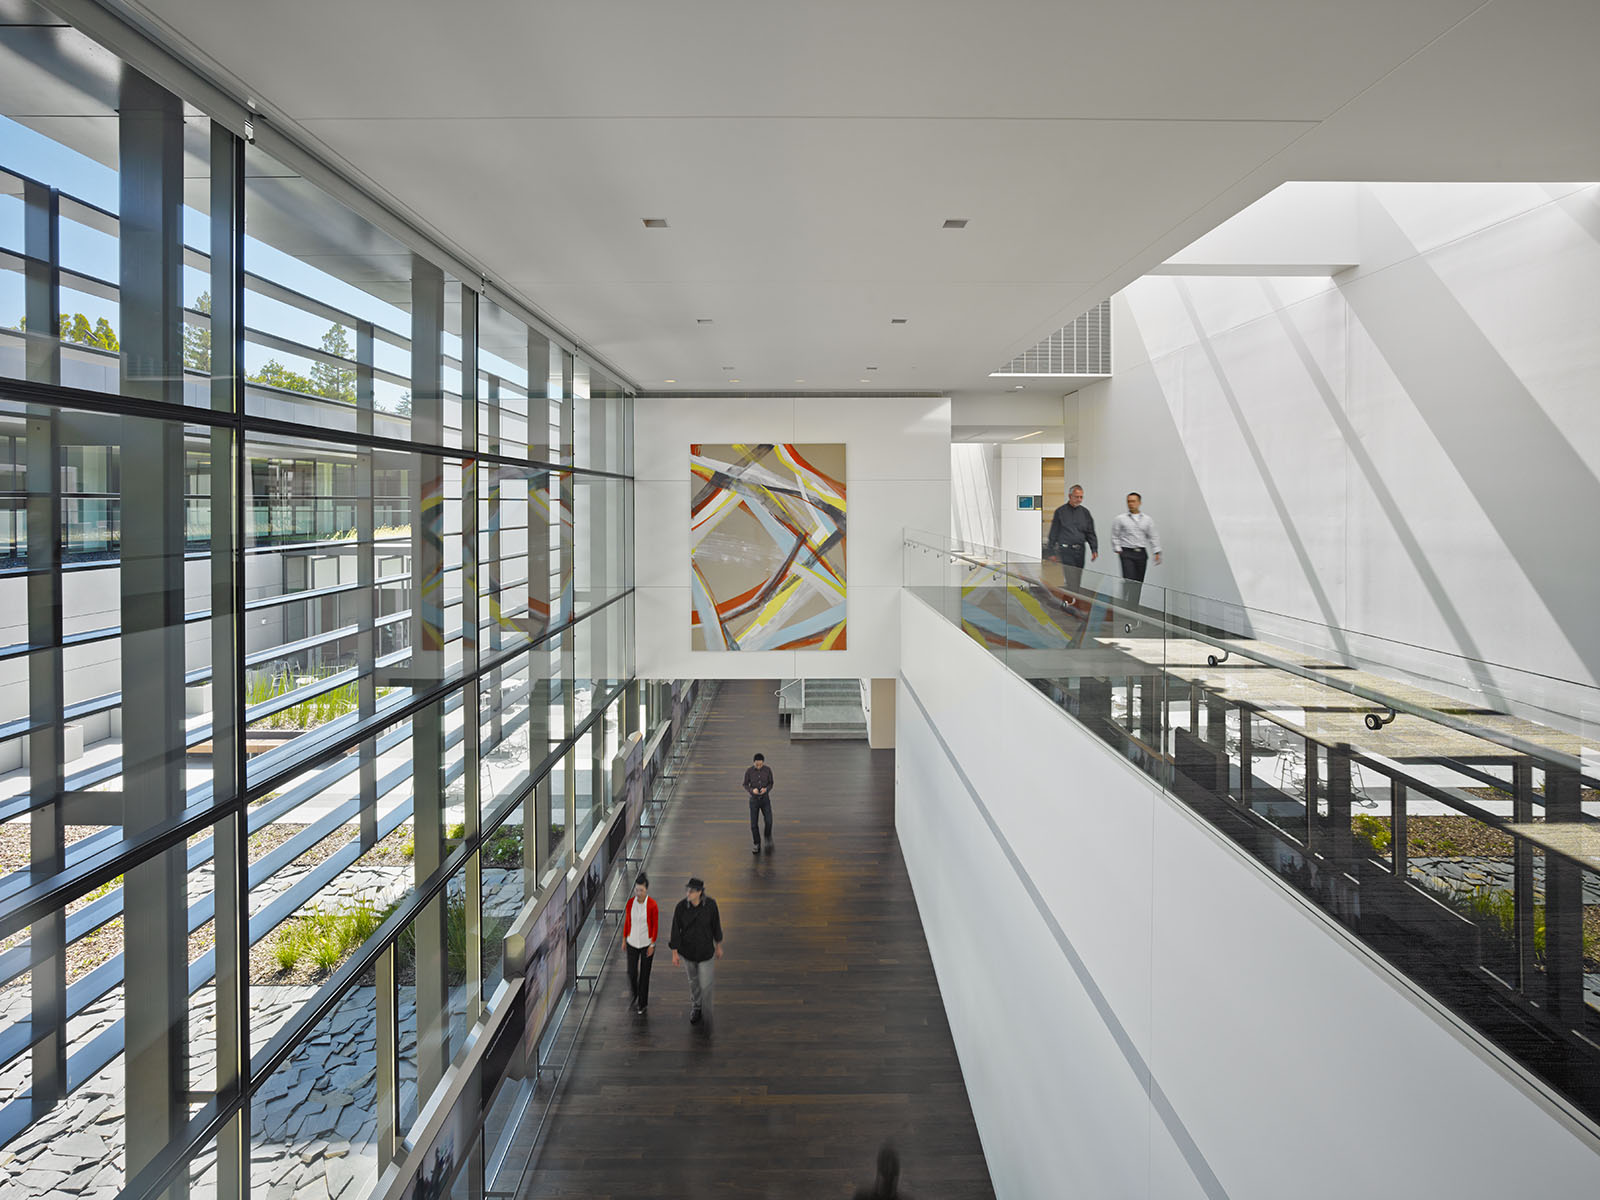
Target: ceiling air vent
1081 348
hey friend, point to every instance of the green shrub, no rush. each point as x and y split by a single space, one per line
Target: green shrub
105 889
325 938
455 939
286 950
505 846
326 954
307 714
1375 830
1490 905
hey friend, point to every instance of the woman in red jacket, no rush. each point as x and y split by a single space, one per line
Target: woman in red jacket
639 922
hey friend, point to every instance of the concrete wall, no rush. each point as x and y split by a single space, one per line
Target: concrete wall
1142 1011
1407 449
898 469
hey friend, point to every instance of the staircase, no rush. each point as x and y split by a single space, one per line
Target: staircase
832 710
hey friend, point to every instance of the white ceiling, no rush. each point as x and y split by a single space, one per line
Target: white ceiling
806 155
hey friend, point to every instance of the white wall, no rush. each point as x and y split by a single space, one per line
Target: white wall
898 468
975 493
1140 1010
1407 449
1021 474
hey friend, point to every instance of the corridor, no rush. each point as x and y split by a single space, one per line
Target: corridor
829 1032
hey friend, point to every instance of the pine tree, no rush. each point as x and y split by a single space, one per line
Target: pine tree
336 383
197 339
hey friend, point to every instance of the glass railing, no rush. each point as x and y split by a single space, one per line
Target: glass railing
1446 811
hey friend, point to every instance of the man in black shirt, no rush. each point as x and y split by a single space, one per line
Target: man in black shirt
696 942
1070 528
758 786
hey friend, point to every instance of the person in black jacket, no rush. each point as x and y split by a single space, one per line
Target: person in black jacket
758 786
696 941
887 1185
1070 528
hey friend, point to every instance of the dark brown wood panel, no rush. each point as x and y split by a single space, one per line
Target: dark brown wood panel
829 1033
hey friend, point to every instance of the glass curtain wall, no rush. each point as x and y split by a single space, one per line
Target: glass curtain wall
315 587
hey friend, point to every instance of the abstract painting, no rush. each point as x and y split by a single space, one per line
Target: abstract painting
766 547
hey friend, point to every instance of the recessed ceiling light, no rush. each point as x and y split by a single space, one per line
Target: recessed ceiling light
703 321
872 368
669 381
730 368
655 222
897 320
1019 387
799 380
952 223
864 381
733 381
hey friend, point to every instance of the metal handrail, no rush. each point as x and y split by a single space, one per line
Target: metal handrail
1459 724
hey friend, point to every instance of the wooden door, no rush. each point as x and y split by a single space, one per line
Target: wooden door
1053 485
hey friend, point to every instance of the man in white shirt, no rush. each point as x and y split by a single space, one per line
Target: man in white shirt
1134 538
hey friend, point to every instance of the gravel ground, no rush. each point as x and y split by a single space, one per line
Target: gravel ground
104 943
1444 837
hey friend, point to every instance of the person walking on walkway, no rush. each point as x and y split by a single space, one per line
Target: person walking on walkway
1135 541
887 1185
1071 528
640 921
696 942
758 786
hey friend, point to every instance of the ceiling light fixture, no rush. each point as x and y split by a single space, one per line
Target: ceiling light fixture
799 380
1026 436
730 368
864 381
655 222
952 223
872 368
703 321
897 320
1019 387
733 381
669 381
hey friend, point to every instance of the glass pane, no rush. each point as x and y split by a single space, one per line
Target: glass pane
505 888
331 852
314 1120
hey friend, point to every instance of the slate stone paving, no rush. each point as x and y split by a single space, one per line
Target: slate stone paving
313 1125
1461 878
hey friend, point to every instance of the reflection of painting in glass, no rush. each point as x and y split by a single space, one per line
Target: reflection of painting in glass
766 547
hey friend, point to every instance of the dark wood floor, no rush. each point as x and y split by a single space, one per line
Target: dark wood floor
829 1034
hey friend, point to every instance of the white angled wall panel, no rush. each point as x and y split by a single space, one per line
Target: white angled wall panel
1142 1011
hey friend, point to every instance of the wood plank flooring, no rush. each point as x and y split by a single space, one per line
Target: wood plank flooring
829 1034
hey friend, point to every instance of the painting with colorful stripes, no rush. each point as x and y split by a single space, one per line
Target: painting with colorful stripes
766 547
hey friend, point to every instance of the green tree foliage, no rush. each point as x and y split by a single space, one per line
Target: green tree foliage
325 379
75 328
274 374
336 383
197 340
